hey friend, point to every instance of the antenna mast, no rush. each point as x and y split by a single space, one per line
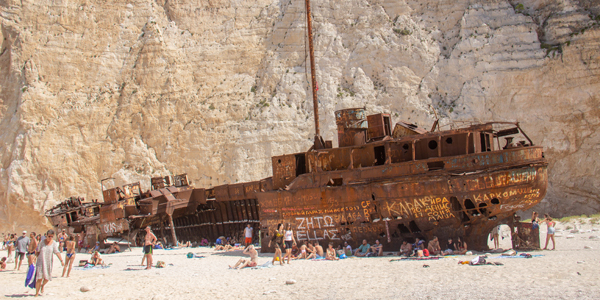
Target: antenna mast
318 140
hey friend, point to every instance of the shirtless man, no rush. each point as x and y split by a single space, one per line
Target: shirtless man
62 239
69 256
149 241
434 246
331 253
114 248
252 262
405 249
320 252
31 250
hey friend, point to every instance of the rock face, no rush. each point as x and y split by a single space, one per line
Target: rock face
131 89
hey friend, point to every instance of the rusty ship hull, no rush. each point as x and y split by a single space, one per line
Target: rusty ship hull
381 203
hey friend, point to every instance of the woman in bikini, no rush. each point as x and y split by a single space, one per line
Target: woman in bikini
551 231
277 239
69 256
290 241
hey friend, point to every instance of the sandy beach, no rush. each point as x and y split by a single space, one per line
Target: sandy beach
571 271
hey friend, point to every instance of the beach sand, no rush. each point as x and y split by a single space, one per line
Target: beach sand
569 272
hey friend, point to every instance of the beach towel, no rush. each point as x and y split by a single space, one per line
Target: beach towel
31 278
416 258
519 256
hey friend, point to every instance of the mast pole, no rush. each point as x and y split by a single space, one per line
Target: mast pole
318 141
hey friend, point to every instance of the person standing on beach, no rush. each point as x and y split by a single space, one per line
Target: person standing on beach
10 246
62 238
22 246
550 235
43 266
277 239
248 234
496 236
290 241
69 256
33 243
149 242
80 241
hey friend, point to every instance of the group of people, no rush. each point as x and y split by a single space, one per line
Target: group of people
536 222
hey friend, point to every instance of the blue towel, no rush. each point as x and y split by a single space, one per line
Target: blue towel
31 277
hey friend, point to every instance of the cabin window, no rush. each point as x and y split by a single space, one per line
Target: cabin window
335 182
455 204
379 155
432 144
495 201
300 164
485 142
482 208
435 165
449 141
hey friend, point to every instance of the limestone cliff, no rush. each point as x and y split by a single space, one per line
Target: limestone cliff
131 89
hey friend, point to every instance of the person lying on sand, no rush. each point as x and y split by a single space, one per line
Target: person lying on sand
434 246
3 264
331 253
405 249
252 262
363 249
204 242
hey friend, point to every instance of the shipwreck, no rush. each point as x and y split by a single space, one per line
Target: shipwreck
385 181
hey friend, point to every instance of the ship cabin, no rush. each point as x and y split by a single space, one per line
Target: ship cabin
369 141
73 212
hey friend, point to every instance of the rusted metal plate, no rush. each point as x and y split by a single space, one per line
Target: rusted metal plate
525 237
110 196
114 227
379 126
284 170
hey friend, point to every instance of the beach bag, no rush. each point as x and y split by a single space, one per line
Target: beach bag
160 264
342 256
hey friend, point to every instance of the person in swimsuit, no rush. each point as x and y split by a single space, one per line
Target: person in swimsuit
3 264
80 241
302 251
149 241
96 260
550 235
331 253
69 256
461 245
31 250
114 248
290 241
10 246
252 262
311 250
62 238
535 222
277 239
